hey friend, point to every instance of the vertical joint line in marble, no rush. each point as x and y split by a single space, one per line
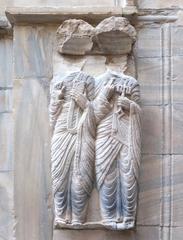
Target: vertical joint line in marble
171 105
166 208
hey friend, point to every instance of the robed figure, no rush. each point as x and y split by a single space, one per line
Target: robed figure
118 143
73 146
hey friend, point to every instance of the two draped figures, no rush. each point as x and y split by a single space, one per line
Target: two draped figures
96 143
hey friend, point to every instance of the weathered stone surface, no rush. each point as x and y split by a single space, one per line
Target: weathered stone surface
6 62
6 142
158 131
177 128
150 189
6 101
32 160
152 130
107 3
158 4
33 45
75 37
177 233
6 206
150 77
179 21
142 233
3 4
61 3
177 35
117 63
93 65
115 30
177 191
148 42
177 80
59 14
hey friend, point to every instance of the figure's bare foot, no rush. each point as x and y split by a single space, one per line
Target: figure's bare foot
128 223
109 225
59 220
76 223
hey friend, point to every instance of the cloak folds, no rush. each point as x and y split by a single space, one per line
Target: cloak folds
72 152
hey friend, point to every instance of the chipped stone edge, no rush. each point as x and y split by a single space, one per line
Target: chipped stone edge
158 15
56 15
35 15
5 27
88 225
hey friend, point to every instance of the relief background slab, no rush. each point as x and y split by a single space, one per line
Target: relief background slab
159 70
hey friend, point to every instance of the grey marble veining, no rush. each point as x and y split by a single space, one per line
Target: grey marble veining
6 206
6 62
33 45
6 101
160 197
32 171
6 142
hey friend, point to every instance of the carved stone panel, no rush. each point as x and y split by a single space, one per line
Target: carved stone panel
96 133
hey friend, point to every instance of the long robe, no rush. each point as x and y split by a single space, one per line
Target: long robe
118 143
72 150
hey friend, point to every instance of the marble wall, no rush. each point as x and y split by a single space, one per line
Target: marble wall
26 69
32 73
6 140
58 3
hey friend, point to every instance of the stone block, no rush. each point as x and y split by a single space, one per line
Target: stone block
32 160
4 4
159 4
149 71
6 142
141 233
177 44
62 3
150 190
177 233
177 129
33 51
6 62
148 42
177 80
6 206
152 130
6 101
177 191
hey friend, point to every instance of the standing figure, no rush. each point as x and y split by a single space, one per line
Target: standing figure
118 148
72 146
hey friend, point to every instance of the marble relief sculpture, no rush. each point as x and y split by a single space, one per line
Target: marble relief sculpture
96 138
73 146
118 142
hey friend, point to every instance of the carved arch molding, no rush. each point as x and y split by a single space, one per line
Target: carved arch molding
96 130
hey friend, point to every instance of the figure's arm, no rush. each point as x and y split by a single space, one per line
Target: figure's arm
102 104
57 99
132 103
82 99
